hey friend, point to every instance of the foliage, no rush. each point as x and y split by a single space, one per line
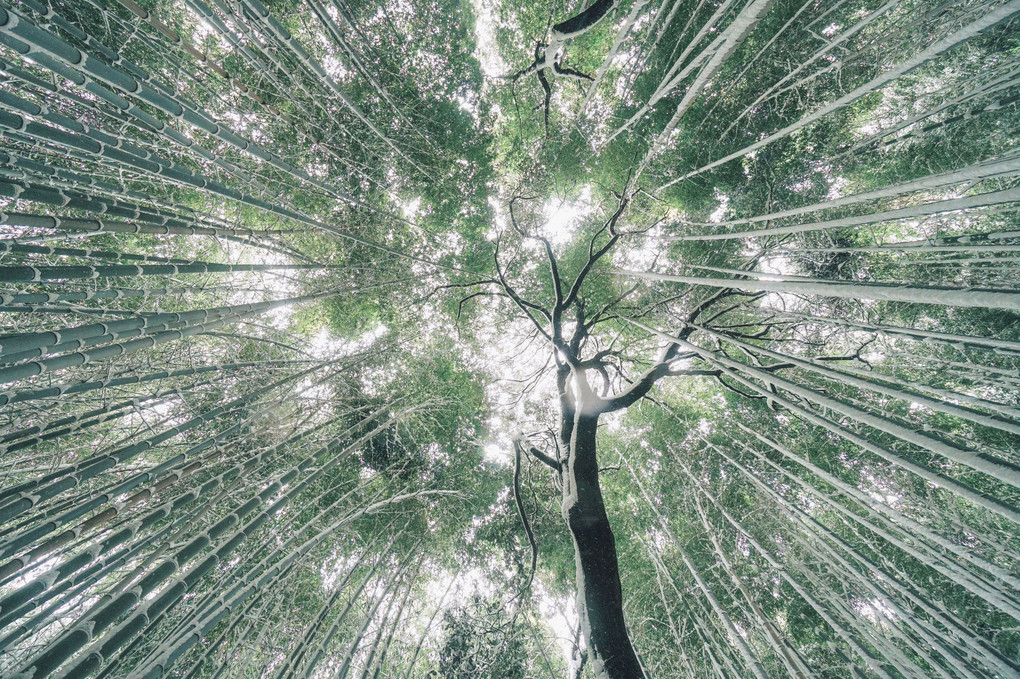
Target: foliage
305 305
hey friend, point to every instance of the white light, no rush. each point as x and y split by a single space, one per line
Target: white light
496 453
720 212
562 217
486 51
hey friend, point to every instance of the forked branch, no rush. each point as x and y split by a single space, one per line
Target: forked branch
547 64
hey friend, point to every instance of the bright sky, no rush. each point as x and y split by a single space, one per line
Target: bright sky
563 217
486 15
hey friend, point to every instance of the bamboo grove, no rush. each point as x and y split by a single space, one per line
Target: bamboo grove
314 310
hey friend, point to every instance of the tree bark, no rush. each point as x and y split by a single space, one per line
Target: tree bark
985 22
599 592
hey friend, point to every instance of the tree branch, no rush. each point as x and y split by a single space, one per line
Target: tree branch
571 73
594 257
544 459
583 21
522 303
524 517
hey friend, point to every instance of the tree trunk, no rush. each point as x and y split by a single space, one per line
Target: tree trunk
987 21
599 593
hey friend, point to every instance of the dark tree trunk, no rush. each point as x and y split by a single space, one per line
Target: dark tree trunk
579 23
599 593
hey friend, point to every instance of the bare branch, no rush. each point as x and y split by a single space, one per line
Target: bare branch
460 304
571 73
523 304
524 517
544 459
594 257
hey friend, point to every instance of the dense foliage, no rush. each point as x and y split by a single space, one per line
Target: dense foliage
314 310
